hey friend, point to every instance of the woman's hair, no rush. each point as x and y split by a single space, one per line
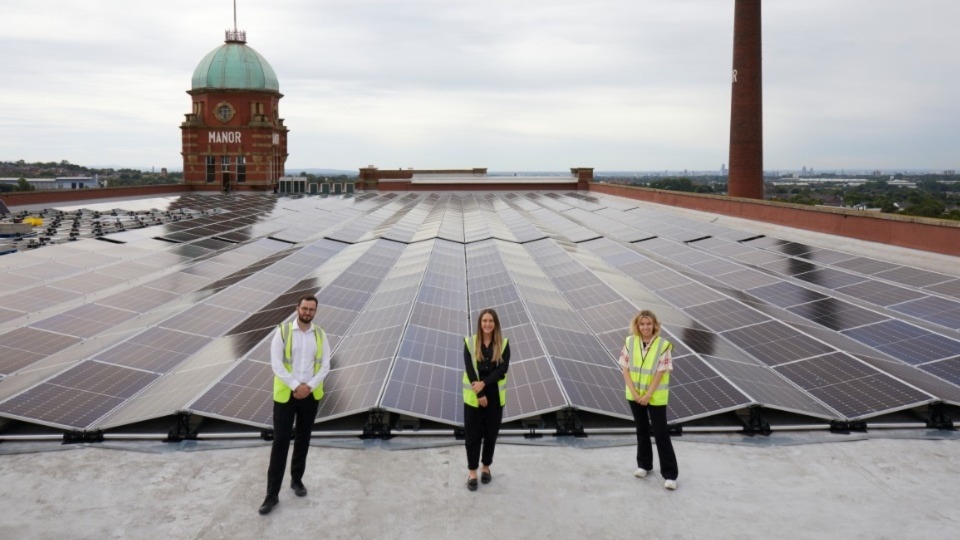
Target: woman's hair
636 321
497 342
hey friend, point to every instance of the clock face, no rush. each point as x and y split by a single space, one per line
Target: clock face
224 112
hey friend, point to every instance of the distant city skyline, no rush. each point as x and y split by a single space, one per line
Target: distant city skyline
619 85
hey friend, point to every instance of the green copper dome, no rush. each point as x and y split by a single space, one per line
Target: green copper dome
235 66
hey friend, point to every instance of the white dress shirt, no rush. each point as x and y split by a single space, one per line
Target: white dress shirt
302 357
665 362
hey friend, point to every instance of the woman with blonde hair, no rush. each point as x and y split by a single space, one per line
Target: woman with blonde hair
646 364
486 358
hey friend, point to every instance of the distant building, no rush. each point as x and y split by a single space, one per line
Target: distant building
372 178
234 138
63 182
297 185
902 183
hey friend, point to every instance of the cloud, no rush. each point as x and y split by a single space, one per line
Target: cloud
533 85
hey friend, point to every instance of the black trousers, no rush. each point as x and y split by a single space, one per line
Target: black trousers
658 418
481 426
304 412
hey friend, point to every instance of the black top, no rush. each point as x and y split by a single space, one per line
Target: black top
490 372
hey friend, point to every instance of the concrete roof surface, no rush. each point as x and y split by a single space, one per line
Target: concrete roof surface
782 486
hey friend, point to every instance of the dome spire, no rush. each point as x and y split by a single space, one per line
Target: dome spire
235 36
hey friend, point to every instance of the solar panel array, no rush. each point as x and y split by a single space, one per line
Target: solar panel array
177 317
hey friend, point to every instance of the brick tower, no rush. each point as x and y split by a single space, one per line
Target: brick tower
234 138
746 108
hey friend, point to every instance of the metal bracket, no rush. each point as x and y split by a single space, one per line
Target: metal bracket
407 423
568 423
845 427
938 418
185 428
376 426
755 424
79 437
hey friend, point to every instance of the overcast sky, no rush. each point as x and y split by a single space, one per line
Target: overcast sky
512 85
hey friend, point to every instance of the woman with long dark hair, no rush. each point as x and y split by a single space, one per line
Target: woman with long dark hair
486 358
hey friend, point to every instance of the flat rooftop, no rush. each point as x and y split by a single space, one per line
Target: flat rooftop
782 486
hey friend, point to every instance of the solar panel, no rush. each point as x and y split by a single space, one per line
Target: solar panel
850 387
697 399
913 276
240 298
948 369
532 388
944 370
691 294
141 300
705 342
734 250
84 321
425 389
786 266
74 409
603 318
209 269
36 298
864 265
179 283
928 306
906 342
7 315
775 343
593 387
880 293
86 392
245 394
185 312
948 288
837 314
826 256
353 389
48 271
768 388
205 320
263 320
725 315
433 346
23 346
830 278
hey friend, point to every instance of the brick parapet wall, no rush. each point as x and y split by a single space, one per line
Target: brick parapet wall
926 234
408 186
20 198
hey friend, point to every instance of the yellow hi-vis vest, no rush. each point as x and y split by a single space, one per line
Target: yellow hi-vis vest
643 368
282 392
469 396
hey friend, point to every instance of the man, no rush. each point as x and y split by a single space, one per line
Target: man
300 356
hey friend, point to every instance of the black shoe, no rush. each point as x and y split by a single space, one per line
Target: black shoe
268 504
297 487
485 477
472 484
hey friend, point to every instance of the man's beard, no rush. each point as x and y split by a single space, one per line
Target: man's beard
304 321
